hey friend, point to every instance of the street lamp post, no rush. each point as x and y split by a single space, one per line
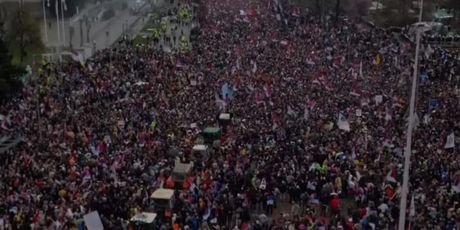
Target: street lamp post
63 7
408 150
56 7
45 25
421 11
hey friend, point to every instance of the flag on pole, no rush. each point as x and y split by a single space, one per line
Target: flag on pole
343 123
391 176
450 141
77 56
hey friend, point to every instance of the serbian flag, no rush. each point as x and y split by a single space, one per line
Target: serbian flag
391 176
36 217
250 12
170 183
101 147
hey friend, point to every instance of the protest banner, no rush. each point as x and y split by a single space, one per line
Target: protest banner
93 221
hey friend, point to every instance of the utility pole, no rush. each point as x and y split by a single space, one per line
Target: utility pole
45 26
410 128
21 31
63 7
56 7
420 16
81 31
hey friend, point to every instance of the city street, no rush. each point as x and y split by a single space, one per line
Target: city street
102 33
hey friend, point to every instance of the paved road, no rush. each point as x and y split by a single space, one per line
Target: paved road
175 30
103 33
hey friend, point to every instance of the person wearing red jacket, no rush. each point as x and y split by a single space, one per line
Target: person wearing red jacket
335 205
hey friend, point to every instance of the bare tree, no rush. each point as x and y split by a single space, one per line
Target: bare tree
24 35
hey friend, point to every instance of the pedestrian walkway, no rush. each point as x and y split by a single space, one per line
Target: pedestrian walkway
171 40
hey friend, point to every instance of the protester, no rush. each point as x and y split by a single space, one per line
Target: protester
319 120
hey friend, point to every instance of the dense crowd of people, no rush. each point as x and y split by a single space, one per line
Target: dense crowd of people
319 124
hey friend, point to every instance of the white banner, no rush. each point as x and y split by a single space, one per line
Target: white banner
343 123
93 221
450 141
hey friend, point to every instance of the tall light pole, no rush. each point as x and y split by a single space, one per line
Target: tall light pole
421 11
63 7
56 7
407 153
45 25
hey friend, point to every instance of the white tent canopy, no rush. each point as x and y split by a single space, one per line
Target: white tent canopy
163 194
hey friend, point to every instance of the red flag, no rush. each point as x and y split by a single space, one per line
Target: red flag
250 12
